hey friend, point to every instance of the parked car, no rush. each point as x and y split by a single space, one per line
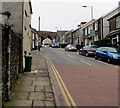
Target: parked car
109 54
88 50
71 47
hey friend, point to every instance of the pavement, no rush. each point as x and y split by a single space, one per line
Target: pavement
34 88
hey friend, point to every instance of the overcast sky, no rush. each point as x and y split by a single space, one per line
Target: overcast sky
67 14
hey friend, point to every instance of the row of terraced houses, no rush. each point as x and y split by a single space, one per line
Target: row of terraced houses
88 33
107 27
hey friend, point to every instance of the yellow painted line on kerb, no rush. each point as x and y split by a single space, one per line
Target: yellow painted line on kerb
67 96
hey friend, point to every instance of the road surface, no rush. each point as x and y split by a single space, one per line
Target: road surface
90 82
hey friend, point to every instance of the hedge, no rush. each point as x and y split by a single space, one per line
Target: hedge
103 42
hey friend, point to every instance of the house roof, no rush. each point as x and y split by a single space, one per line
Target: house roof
34 30
48 33
117 8
88 23
113 16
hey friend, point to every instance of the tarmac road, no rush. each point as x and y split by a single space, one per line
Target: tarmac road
90 82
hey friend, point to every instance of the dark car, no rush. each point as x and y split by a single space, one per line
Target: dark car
109 54
71 47
88 50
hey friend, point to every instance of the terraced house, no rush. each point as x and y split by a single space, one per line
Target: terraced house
114 27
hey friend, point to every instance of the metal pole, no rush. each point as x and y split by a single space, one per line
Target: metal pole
91 12
39 23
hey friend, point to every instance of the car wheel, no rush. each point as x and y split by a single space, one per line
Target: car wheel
86 54
108 60
96 58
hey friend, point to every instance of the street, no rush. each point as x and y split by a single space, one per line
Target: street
90 82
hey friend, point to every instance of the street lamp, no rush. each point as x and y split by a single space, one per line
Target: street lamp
91 10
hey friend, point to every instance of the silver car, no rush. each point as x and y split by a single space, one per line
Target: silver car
71 47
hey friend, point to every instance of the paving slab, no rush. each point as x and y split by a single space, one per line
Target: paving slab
46 79
21 95
36 96
41 83
30 79
48 89
49 103
27 83
26 88
38 103
40 88
49 96
20 103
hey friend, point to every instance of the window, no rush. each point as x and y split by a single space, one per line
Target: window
104 49
112 50
99 49
26 13
25 28
118 22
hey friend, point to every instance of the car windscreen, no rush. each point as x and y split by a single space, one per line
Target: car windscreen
72 45
118 50
114 50
93 47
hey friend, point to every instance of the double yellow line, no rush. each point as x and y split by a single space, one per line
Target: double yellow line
67 96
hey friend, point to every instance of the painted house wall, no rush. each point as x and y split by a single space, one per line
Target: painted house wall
15 8
21 22
106 23
27 28
47 41
86 28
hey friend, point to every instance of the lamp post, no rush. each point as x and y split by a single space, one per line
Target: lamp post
91 10
91 19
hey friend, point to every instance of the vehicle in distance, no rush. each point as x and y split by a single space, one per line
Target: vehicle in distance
71 47
88 50
56 45
109 54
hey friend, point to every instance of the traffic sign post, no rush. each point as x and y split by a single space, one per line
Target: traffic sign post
92 33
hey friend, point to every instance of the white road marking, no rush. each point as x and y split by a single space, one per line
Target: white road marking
70 56
86 62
